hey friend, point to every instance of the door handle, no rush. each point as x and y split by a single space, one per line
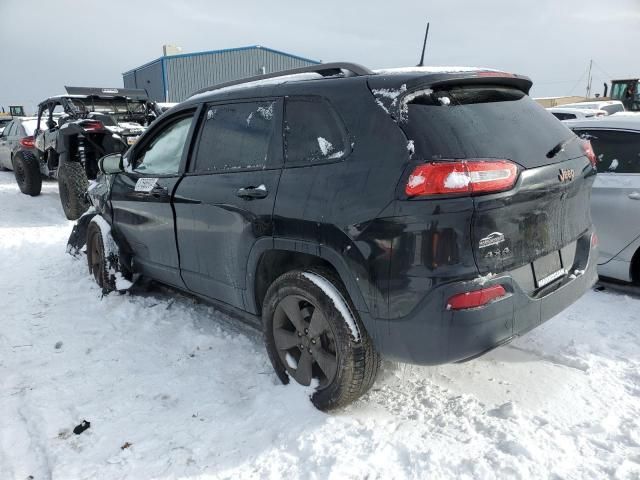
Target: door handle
634 196
253 192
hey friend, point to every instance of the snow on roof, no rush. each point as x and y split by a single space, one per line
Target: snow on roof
627 122
260 83
583 111
434 69
591 104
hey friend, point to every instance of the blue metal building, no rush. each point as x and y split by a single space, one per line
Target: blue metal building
174 78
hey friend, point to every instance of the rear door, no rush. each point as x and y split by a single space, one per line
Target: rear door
225 202
615 205
141 197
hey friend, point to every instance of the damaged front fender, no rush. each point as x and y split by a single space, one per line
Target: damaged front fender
78 237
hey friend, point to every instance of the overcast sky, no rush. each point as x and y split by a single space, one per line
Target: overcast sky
47 44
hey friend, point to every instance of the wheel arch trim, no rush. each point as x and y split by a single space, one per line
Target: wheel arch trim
323 252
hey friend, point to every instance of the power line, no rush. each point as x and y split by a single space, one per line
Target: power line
578 82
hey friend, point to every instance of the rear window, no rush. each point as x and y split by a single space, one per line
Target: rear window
483 122
617 151
29 126
611 109
563 116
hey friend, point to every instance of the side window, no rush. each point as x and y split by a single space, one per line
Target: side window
236 136
163 154
313 132
617 151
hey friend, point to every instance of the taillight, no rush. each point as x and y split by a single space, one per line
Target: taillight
464 176
476 298
594 240
92 125
28 142
589 153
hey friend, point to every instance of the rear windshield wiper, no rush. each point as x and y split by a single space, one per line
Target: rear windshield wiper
559 147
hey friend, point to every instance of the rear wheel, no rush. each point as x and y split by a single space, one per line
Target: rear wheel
313 335
27 172
73 184
97 259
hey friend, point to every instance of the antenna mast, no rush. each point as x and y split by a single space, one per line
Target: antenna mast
424 47
589 79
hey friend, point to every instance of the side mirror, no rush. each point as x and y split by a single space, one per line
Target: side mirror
111 164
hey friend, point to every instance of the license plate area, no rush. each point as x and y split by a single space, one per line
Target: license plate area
547 269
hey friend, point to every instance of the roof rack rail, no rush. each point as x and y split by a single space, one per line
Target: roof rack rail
324 69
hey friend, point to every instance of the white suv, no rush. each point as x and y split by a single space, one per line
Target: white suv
608 106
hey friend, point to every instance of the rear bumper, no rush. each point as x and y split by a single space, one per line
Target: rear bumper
432 335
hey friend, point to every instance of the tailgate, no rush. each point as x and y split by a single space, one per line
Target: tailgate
547 209
541 215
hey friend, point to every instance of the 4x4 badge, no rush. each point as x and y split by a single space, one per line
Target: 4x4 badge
566 175
492 239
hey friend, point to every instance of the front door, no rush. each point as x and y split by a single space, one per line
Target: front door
225 203
141 198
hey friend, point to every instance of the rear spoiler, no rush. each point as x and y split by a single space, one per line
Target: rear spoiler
132 93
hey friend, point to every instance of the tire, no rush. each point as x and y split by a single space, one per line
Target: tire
342 363
27 172
73 184
97 259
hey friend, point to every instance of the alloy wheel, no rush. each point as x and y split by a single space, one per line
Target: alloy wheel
304 341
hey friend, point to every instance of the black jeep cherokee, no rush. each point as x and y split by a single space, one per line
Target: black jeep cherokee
426 216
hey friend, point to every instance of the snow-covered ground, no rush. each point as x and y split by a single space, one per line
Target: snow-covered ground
191 393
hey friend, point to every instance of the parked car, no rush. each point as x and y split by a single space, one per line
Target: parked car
4 120
562 113
615 201
608 106
76 129
416 214
17 152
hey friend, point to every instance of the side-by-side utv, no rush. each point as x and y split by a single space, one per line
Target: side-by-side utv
76 129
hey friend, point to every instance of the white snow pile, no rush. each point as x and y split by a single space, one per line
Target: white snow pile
175 389
325 145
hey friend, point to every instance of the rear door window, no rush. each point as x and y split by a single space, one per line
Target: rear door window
236 136
617 151
313 132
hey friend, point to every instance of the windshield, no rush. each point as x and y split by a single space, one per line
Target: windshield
483 122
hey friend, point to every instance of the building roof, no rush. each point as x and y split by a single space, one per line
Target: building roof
213 52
